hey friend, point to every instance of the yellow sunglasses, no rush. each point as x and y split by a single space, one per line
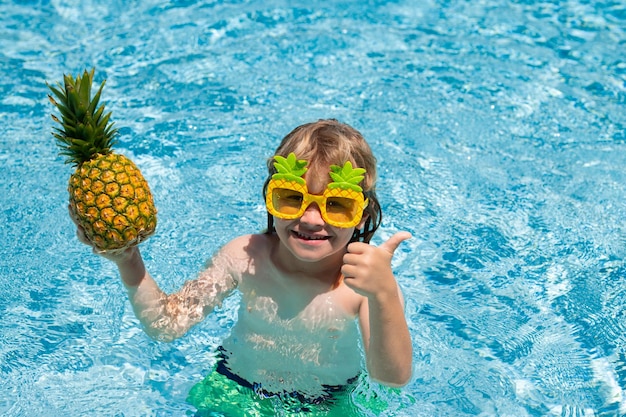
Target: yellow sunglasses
341 205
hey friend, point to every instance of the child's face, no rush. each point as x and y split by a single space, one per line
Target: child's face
309 238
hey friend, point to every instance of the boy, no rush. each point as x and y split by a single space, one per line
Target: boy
302 283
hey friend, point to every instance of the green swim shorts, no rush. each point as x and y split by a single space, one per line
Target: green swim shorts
222 393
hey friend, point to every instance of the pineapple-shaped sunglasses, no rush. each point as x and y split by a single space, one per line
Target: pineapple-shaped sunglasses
341 204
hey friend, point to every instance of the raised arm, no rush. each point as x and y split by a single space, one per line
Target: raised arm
367 270
167 317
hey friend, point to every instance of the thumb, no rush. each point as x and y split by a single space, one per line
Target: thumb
394 241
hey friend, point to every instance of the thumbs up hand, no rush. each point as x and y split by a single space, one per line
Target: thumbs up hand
367 269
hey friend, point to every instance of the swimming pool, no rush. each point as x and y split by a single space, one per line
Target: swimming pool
499 129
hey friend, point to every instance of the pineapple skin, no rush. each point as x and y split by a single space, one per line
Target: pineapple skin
112 202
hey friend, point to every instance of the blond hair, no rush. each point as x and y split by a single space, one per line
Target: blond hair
329 142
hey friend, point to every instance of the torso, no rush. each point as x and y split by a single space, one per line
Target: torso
292 333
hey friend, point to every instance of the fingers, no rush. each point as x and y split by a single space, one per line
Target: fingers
356 250
367 269
394 241
112 254
390 245
72 214
74 217
80 232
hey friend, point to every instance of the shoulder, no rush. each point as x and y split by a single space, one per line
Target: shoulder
243 255
248 246
249 242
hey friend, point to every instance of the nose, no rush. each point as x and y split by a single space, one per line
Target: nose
312 215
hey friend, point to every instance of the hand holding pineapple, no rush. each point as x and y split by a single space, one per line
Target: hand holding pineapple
109 199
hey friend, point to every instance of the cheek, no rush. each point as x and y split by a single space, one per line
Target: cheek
343 235
281 226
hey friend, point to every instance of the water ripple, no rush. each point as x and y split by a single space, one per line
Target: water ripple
499 131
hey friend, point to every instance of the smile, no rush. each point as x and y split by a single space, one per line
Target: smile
309 237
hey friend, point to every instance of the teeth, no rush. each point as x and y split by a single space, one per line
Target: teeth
311 237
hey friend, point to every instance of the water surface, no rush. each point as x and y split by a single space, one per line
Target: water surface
499 130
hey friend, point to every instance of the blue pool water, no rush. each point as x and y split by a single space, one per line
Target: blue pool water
499 128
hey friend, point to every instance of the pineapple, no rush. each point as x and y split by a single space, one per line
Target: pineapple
108 196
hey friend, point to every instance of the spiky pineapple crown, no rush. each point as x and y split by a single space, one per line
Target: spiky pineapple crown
346 177
292 169
85 129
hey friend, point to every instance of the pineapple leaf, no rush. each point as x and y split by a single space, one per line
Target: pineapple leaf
346 177
96 99
290 168
84 90
86 129
57 93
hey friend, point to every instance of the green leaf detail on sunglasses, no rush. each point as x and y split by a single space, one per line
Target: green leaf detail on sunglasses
346 177
290 168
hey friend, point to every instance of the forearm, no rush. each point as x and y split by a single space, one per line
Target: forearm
144 294
132 269
164 317
389 353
